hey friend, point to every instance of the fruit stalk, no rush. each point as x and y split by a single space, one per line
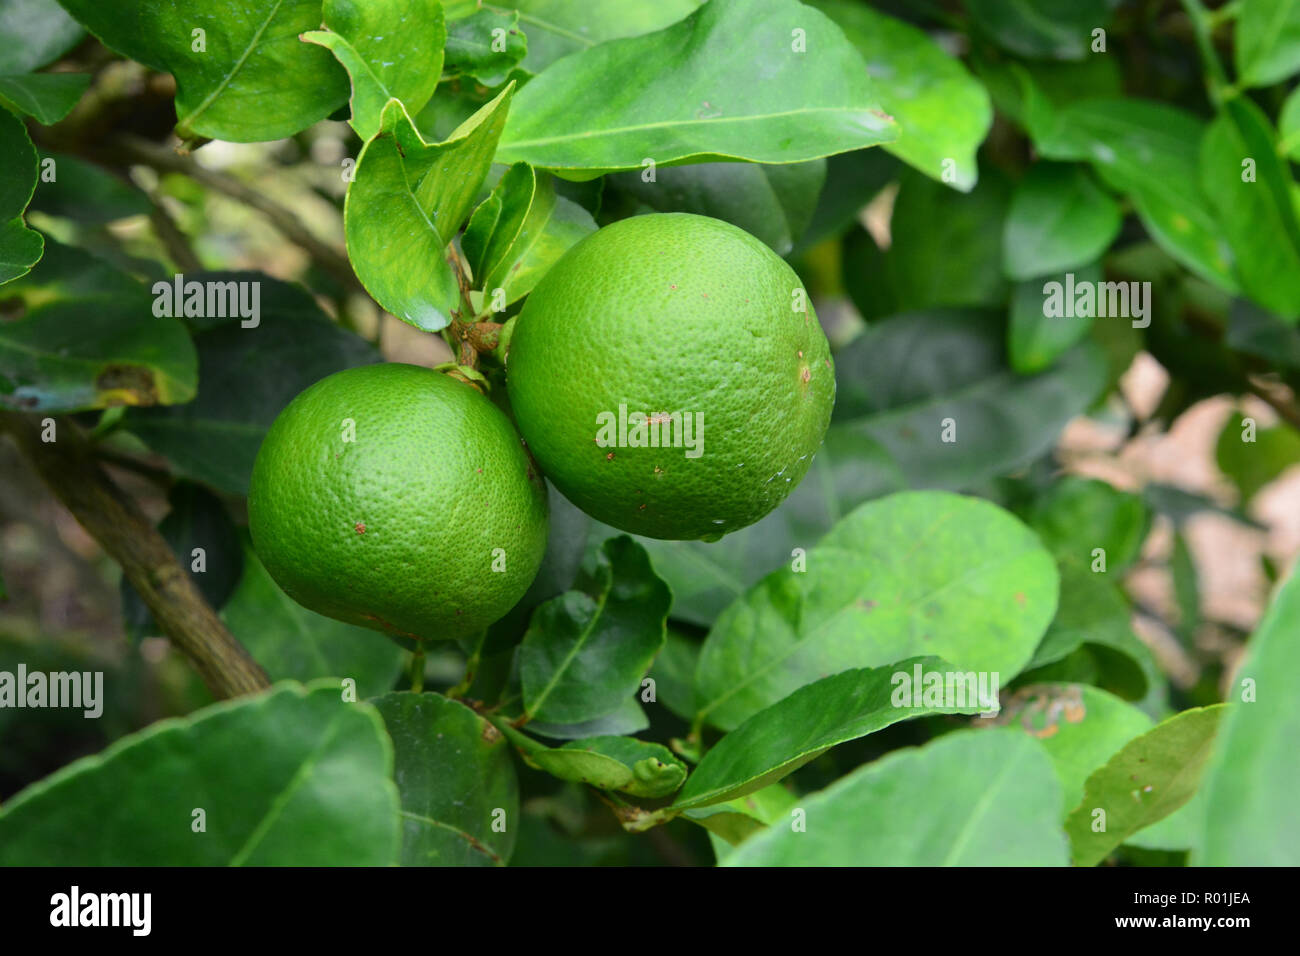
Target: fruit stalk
69 469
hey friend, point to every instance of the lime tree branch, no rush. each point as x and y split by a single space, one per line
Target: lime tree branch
132 149
68 467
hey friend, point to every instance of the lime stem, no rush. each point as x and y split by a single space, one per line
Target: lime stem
417 669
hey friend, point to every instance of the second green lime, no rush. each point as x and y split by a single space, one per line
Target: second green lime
670 376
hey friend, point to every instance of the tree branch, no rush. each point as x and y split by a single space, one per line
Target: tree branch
132 149
68 467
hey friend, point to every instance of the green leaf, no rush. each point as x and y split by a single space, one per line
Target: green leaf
518 233
1094 612
248 376
735 821
1288 127
313 789
20 247
245 77
472 46
1036 339
95 352
727 82
1148 150
1079 726
86 193
852 180
777 741
1059 220
901 395
1078 515
635 767
196 519
705 577
34 33
1148 779
586 651
1253 776
1042 29
916 573
972 798
943 112
774 203
943 249
291 642
1254 463
460 797
392 49
629 717
67 272
46 97
407 203
1266 41
1259 216
557 28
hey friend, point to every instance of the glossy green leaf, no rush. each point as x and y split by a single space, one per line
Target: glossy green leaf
734 821
247 376
1266 41
34 32
46 97
1045 29
1252 456
774 203
20 247
1258 216
313 778
731 81
1253 778
706 576
1148 779
906 398
777 741
983 797
291 642
636 767
460 797
485 46
1059 219
1078 515
517 233
1079 726
556 28
586 651
86 193
206 543
943 112
407 203
1148 150
915 573
392 49
77 354
241 72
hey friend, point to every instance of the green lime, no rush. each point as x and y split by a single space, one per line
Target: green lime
395 497
670 376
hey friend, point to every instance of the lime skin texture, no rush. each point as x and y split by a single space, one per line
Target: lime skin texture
392 496
671 313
